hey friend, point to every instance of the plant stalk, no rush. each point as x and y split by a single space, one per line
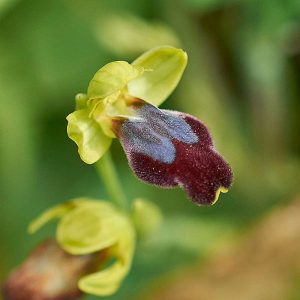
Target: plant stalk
107 171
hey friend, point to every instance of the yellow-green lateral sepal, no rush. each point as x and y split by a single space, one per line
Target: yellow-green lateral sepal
87 134
107 281
50 214
111 78
89 228
58 212
163 69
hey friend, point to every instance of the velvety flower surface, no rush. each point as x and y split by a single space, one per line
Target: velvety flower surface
169 148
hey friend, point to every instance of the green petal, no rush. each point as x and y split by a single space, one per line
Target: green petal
90 228
87 134
163 69
111 78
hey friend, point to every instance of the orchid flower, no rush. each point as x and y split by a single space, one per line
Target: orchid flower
93 235
92 227
164 148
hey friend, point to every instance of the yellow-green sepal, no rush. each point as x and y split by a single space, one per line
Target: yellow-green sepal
50 214
92 142
164 67
112 78
107 281
89 228
98 283
57 212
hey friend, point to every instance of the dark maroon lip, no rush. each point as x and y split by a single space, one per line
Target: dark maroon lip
170 149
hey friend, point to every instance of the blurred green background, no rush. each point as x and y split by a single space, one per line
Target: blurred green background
242 80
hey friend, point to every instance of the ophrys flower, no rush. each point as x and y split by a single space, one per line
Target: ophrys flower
164 148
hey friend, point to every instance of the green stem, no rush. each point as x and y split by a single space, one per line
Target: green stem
108 174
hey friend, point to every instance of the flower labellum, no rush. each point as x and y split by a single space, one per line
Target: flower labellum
168 148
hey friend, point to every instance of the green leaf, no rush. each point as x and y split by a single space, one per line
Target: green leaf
87 134
164 67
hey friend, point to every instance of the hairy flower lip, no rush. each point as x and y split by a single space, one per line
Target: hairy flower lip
197 167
